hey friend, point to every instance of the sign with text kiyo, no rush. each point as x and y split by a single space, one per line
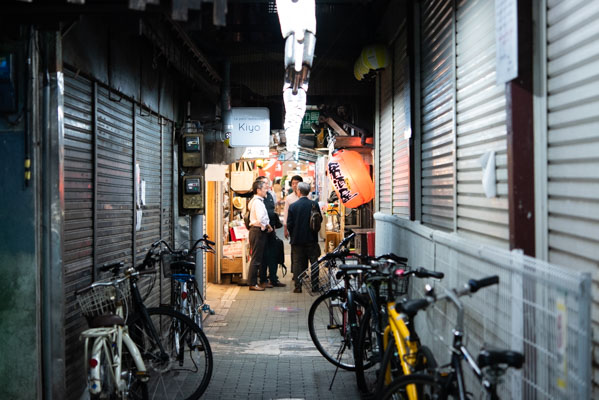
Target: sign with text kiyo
247 126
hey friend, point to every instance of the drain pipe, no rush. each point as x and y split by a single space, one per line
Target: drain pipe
46 222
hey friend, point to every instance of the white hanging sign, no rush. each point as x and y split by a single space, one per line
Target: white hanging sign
247 126
506 40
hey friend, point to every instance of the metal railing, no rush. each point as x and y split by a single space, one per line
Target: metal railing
539 309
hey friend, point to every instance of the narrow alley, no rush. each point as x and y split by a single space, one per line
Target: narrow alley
262 348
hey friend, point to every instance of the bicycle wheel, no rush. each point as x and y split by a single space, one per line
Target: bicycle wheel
369 354
194 303
391 365
184 369
104 379
424 386
136 389
330 331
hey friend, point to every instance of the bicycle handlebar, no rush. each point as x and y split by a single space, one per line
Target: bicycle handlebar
411 307
481 283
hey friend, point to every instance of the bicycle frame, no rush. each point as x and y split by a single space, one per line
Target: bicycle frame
407 343
109 341
186 283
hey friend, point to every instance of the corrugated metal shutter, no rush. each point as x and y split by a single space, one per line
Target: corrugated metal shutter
377 145
437 98
385 149
481 125
167 196
114 202
148 149
573 132
573 141
401 142
115 177
78 214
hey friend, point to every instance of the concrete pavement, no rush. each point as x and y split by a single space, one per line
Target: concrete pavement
262 347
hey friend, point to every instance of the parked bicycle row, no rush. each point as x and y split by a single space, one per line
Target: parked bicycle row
135 352
363 321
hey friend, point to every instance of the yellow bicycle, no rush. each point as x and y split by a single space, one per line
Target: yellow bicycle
389 344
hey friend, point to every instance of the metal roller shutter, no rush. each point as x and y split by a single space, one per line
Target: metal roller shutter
401 142
377 145
573 132
78 215
481 125
437 111
167 197
148 149
385 149
572 67
115 177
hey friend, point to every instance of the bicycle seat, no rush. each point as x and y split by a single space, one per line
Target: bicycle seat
106 320
489 358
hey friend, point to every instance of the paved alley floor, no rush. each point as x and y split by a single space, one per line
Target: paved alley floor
262 347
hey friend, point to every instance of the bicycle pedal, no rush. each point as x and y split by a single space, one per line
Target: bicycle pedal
332 326
197 346
143 376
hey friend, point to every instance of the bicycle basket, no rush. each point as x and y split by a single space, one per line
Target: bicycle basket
174 264
165 261
100 300
401 285
319 279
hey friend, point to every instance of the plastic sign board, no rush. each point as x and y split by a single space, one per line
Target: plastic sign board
310 117
247 126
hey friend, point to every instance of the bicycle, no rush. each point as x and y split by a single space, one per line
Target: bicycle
448 381
329 319
179 267
103 304
166 355
388 338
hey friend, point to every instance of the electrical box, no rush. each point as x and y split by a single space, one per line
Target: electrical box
8 92
193 150
192 189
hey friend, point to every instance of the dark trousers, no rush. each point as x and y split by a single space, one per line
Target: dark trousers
302 255
269 262
257 243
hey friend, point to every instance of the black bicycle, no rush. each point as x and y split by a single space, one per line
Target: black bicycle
447 382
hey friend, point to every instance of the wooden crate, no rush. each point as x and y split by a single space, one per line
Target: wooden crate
231 265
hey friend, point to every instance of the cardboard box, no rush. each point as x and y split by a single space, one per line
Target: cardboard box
233 249
231 265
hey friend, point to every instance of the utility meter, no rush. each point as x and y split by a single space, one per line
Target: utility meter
193 193
193 150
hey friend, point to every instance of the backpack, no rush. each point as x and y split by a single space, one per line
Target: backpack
246 219
246 216
315 217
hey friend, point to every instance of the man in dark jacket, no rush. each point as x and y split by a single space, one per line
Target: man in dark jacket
304 241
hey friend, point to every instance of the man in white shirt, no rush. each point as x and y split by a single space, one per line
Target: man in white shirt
289 200
259 228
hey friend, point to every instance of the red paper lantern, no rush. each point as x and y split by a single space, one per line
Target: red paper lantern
351 178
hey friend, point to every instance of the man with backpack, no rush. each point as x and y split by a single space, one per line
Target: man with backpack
303 224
